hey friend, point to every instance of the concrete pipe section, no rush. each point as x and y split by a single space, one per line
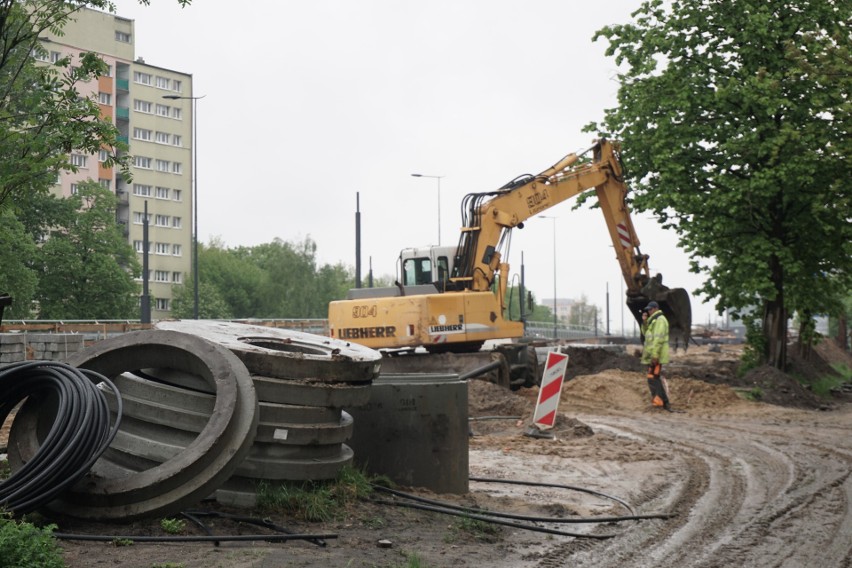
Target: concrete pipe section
287 354
193 473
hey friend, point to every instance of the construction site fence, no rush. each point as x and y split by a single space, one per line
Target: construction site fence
46 340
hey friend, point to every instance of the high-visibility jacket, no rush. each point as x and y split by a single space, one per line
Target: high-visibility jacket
656 339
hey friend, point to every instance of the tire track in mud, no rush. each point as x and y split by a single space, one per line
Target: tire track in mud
747 492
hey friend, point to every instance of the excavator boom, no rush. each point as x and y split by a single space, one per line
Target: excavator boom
460 301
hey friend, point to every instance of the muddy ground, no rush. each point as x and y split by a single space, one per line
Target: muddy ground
724 481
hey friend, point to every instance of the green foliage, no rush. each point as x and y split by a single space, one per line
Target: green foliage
272 280
42 116
412 560
85 268
168 565
735 124
17 278
473 528
315 501
754 394
117 542
23 545
755 346
173 526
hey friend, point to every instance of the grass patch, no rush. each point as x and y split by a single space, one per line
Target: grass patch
316 501
412 560
24 544
466 527
172 526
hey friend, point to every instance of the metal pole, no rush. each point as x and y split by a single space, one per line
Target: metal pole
555 327
194 196
439 199
145 304
195 206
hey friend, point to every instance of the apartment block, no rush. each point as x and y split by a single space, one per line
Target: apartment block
152 108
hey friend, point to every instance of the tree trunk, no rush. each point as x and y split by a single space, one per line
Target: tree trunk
842 330
775 331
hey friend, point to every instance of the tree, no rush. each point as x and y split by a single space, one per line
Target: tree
85 268
211 304
735 122
42 116
16 277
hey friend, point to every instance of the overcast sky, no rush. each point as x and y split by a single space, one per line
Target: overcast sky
308 104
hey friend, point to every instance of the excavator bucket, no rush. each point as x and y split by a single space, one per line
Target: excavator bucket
675 304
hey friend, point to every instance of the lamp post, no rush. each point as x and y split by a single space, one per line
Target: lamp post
554 271
439 200
194 198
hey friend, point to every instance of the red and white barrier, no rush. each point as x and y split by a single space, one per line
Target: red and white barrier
551 387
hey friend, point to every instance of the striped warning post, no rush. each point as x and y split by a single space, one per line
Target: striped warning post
624 235
551 387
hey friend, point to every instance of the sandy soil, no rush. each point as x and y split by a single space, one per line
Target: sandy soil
724 481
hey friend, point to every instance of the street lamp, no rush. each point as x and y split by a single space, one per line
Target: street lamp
554 271
194 197
439 200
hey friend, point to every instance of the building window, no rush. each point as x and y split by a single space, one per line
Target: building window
139 217
161 276
142 162
105 98
162 304
164 166
123 37
176 113
177 250
103 156
105 183
163 110
74 189
141 78
108 71
162 137
177 86
39 54
176 222
79 160
162 82
55 56
177 168
142 106
177 140
141 134
162 248
162 193
177 194
177 277
161 220
141 190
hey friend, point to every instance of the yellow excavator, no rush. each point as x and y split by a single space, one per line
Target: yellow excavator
453 299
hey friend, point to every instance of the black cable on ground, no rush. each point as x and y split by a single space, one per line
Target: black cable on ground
193 538
82 429
492 520
557 486
558 520
194 514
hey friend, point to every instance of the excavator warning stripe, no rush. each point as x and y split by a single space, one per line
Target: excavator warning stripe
624 235
551 388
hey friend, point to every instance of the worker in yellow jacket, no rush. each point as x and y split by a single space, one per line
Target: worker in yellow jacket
655 353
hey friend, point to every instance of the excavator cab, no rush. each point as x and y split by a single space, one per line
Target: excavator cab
674 303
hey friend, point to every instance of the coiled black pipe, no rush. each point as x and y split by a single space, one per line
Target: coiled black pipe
82 429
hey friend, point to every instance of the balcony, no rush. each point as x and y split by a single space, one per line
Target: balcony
122 84
122 113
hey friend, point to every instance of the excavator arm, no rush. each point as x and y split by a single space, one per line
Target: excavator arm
492 216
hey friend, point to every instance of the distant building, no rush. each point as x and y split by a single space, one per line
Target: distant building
159 134
564 307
